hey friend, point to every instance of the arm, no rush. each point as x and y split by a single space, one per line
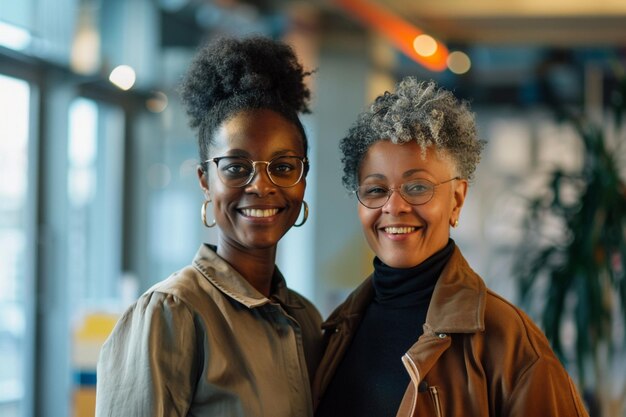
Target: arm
148 366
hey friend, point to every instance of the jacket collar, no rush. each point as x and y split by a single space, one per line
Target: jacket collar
458 301
227 280
457 304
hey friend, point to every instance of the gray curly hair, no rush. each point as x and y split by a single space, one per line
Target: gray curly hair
419 111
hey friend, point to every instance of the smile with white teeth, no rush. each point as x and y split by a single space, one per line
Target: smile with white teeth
259 212
399 230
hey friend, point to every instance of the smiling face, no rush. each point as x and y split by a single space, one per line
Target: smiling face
257 215
400 234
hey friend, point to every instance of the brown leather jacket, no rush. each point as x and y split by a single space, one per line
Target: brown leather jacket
479 355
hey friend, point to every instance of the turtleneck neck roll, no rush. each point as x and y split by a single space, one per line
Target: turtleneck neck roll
404 287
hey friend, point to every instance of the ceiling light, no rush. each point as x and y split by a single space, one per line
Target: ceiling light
123 77
400 32
14 37
425 45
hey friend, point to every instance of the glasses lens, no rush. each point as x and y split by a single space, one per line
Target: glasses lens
372 195
234 171
417 192
285 171
414 192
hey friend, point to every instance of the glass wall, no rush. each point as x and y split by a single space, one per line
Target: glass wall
95 188
16 260
95 191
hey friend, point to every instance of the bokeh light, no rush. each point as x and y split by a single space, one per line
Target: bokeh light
425 45
123 77
459 62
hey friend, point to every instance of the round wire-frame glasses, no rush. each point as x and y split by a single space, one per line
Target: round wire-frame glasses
415 192
237 171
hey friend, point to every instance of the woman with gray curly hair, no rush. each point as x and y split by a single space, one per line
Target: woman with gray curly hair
423 336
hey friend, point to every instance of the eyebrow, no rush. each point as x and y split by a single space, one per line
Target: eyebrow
410 172
406 174
375 176
242 152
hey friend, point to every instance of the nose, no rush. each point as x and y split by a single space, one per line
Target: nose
260 184
396 204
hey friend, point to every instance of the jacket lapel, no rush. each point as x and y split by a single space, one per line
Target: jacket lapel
457 306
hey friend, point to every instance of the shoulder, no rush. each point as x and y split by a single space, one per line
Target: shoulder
503 317
520 354
173 301
512 337
156 322
154 309
187 285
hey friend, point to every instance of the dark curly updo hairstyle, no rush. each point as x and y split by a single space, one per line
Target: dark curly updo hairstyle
230 75
420 112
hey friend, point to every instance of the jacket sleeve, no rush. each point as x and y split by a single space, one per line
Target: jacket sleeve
148 366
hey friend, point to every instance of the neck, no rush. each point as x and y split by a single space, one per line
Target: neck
255 265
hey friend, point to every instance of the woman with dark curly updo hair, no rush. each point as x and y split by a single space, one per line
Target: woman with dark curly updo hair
423 336
225 336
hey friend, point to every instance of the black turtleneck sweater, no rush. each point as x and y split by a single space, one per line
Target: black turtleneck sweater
371 379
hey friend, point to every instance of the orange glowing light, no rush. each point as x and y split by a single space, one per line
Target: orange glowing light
400 32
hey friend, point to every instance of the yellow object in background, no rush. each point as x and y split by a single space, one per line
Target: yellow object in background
89 335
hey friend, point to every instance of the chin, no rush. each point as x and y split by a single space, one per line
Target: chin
400 262
263 242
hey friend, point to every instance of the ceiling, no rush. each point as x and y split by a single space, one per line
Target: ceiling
563 23
537 22
517 47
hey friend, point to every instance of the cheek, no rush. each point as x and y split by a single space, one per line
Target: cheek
215 186
222 196
295 194
367 216
299 191
436 215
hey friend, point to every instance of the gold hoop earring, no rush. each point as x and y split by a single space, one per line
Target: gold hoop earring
203 214
306 214
456 223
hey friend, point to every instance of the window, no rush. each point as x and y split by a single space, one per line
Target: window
16 261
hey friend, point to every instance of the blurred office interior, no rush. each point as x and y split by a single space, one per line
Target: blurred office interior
99 197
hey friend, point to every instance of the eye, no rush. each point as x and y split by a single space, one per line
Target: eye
235 167
286 166
282 166
373 190
417 187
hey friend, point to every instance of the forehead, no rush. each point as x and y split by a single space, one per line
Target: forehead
385 159
256 133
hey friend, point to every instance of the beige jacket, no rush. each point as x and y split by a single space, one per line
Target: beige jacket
479 355
204 342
